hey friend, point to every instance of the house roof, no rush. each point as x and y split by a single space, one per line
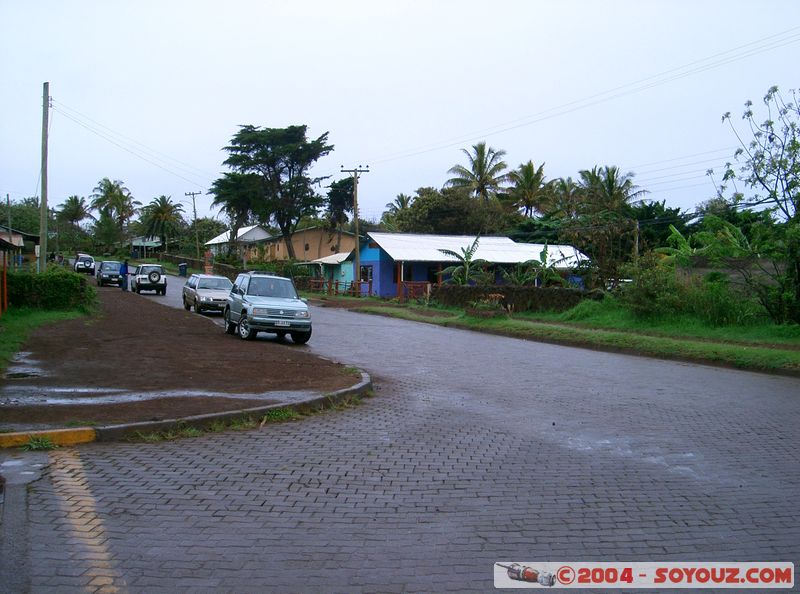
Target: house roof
411 247
19 234
149 242
244 234
337 258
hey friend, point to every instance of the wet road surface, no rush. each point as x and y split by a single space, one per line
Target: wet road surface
475 449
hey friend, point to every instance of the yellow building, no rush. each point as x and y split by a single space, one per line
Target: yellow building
309 244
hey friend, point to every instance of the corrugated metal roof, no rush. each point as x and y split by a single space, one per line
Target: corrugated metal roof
412 247
223 237
337 258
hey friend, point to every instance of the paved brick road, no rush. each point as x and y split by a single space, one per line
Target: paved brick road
477 449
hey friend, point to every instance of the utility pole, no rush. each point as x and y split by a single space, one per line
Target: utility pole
196 233
43 203
356 171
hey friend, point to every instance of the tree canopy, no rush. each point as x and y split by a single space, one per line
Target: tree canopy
280 160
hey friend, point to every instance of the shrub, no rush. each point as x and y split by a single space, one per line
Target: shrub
517 299
717 304
653 289
57 288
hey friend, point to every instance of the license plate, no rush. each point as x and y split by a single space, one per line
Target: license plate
282 323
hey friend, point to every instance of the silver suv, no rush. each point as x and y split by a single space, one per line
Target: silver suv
261 302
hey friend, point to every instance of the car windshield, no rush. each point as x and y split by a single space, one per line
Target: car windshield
214 283
272 287
110 266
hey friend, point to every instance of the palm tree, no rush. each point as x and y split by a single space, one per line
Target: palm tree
161 217
402 202
115 200
605 222
74 210
484 174
530 192
564 198
608 190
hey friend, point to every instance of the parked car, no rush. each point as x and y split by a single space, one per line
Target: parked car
261 302
149 277
84 263
107 273
206 292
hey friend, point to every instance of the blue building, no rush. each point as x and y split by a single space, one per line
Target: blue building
392 262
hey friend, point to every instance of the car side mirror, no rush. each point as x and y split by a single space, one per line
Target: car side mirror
303 299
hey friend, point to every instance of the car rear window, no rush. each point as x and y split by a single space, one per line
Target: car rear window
149 269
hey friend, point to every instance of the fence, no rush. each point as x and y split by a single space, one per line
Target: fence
414 290
335 287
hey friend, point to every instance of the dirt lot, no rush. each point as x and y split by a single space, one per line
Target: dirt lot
153 355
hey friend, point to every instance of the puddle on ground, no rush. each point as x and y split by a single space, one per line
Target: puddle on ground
43 396
23 367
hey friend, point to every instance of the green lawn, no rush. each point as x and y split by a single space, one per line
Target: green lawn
17 324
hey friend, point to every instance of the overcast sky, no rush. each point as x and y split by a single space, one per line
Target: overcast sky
148 92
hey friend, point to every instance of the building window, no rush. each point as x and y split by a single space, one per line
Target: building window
366 274
308 247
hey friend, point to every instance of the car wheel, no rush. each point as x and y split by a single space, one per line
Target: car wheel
245 331
230 327
281 335
197 306
99 283
186 305
301 337
138 290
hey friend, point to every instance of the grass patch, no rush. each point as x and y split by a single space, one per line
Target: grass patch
38 443
612 315
81 424
276 415
18 323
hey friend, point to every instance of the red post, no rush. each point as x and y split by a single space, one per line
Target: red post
5 281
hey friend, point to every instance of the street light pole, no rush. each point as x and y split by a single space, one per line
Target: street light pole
356 171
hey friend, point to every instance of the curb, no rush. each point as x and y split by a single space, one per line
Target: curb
57 436
78 435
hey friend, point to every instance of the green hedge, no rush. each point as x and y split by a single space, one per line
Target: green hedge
521 298
57 288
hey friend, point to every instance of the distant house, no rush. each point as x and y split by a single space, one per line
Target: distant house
390 260
336 267
142 246
18 245
311 243
246 237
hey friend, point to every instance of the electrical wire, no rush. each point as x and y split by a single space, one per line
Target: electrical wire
107 138
186 167
602 97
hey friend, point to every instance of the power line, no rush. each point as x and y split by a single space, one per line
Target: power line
602 97
129 150
187 167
